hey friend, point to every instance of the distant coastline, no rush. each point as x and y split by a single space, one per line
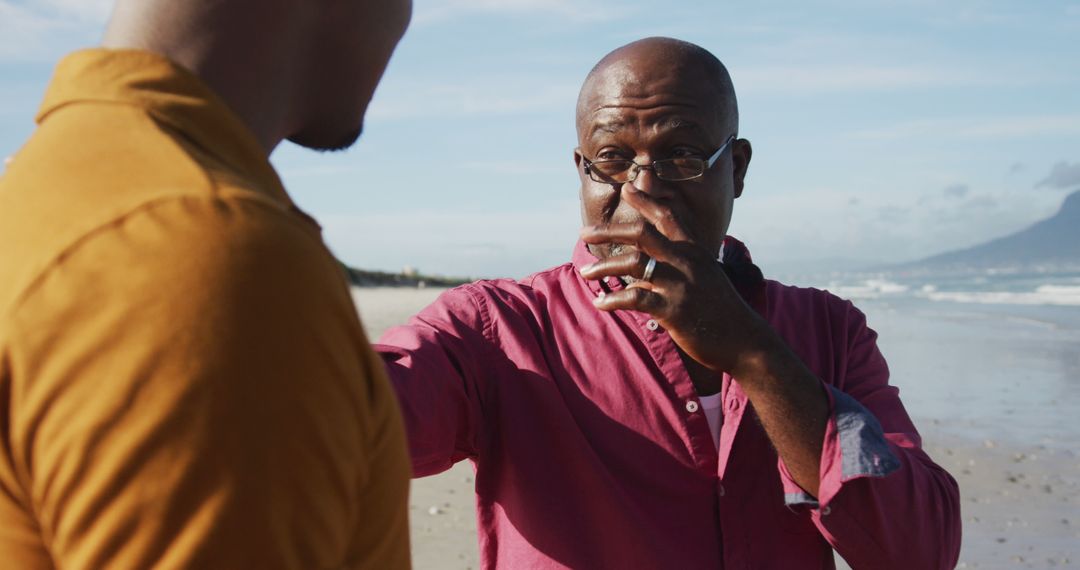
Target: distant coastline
407 279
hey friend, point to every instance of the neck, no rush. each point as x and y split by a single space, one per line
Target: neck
247 59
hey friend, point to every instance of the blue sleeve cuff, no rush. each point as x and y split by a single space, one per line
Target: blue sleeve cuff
860 442
864 451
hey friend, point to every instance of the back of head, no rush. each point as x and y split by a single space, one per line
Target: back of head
303 70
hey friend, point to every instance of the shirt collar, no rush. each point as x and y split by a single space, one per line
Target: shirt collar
172 95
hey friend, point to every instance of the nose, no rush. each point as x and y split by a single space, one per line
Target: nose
646 181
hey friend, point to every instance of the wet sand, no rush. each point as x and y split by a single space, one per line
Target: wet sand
996 398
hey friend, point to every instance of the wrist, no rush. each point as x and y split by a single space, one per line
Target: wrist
759 356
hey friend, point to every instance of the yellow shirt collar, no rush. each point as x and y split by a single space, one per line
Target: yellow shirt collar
172 95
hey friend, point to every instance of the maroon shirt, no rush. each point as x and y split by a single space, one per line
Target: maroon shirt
592 450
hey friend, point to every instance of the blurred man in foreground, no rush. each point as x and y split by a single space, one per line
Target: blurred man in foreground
184 381
656 403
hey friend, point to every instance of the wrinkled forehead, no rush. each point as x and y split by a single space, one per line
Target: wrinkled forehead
655 96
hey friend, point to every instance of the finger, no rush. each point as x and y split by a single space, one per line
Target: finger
657 213
632 264
633 298
640 234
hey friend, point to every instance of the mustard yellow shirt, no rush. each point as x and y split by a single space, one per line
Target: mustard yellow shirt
184 382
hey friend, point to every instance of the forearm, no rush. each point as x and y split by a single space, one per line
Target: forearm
789 401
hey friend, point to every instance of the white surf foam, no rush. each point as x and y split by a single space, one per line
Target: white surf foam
867 289
1066 295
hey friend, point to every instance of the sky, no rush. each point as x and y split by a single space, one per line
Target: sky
883 130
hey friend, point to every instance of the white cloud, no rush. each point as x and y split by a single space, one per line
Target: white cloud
956 191
91 11
44 29
516 168
1063 175
846 78
822 223
975 128
589 11
473 96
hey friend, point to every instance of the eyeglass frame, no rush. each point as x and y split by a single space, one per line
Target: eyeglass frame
706 165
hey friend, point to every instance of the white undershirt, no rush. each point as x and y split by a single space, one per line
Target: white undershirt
714 412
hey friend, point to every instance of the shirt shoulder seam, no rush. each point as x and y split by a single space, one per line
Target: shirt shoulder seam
109 224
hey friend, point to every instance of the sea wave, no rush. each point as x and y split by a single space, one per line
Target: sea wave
1067 295
867 289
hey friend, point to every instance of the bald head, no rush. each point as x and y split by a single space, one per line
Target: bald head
640 69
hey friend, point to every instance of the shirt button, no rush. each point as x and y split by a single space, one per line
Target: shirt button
691 406
720 489
652 325
825 511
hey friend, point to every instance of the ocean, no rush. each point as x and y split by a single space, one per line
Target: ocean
996 355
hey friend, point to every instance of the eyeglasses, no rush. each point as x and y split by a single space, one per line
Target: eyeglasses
622 171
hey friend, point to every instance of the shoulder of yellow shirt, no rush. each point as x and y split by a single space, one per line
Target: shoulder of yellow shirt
85 174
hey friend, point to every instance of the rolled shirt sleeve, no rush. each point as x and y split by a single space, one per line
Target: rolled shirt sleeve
883 503
435 363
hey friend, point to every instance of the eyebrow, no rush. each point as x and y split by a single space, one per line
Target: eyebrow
609 127
668 124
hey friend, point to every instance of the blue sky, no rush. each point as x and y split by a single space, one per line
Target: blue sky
882 130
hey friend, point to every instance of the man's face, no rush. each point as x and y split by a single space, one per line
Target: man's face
638 112
350 58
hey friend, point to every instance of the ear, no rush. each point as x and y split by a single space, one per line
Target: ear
578 157
740 156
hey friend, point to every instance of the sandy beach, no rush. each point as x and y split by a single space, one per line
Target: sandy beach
995 393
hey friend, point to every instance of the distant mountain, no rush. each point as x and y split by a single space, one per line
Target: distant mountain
1054 242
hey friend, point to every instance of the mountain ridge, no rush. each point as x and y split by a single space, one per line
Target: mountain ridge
1049 242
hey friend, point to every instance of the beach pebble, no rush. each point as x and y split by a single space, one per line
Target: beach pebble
435 510
989 444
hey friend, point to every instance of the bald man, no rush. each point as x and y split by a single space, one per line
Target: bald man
655 402
184 381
